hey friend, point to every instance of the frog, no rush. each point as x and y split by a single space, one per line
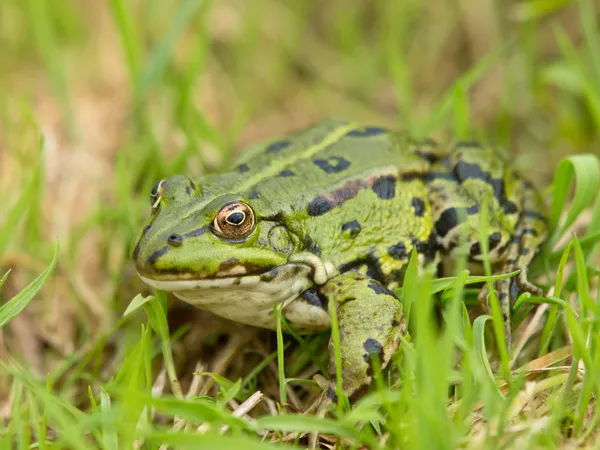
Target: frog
326 219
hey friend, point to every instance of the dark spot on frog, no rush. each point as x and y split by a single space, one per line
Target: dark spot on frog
366 132
278 146
312 246
534 215
509 207
395 323
237 281
511 261
494 239
146 228
136 251
524 251
531 231
466 170
385 187
253 195
419 205
371 261
316 298
270 275
434 175
372 348
352 228
499 191
379 289
503 296
243 168
475 249
157 254
286 173
195 233
333 164
514 289
229 264
188 191
398 251
473 209
427 248
448 220
319 206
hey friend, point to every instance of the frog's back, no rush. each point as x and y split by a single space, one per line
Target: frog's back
296 169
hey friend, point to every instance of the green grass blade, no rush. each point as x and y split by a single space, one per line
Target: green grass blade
109 434
585 169
15 305
158 320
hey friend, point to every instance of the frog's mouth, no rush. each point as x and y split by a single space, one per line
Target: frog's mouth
284 273
223 295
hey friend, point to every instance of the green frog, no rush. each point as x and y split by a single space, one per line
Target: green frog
328 218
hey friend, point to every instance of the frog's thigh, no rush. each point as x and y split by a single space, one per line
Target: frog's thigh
370 323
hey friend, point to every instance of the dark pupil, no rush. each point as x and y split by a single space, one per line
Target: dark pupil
236 218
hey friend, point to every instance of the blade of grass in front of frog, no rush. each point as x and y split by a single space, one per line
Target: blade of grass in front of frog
133 379
155 310
429 401
280 355
19 425
16 304
492 296
309 424
110 440
342 400
37 422
452 338
480 347
441 284
550 325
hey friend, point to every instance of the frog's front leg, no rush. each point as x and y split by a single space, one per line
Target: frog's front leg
370 323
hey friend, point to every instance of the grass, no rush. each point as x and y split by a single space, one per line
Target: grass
101 99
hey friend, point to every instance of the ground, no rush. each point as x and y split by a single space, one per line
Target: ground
100 99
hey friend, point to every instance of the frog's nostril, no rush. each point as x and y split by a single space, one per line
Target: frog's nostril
175 240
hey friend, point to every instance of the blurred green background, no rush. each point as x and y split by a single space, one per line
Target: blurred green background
125 92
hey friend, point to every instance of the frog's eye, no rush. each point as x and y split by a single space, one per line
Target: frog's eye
234 221
156 194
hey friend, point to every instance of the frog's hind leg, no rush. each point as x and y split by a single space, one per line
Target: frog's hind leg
530 232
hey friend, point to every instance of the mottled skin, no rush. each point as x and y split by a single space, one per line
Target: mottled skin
330 216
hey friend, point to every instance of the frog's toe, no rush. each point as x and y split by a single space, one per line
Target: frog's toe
525 285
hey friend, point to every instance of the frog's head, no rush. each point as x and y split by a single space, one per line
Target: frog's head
198 240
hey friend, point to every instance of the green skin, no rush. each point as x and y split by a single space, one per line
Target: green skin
334 212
